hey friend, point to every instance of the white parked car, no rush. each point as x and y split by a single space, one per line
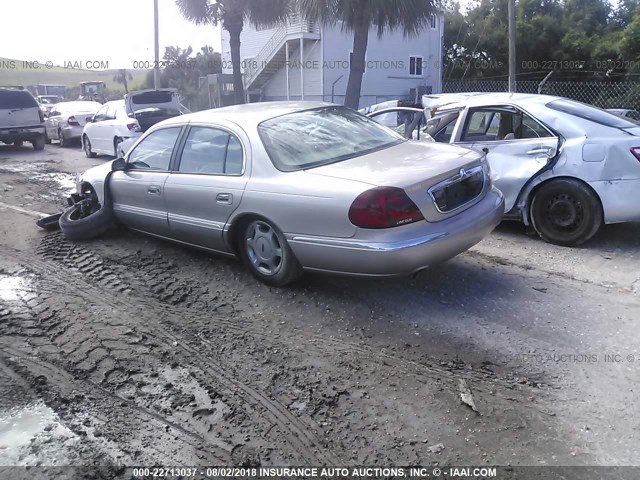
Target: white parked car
564 167
66 121
120 120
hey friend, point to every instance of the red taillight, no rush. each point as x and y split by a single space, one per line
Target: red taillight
383 207
636 152
73 122
41 115
134 127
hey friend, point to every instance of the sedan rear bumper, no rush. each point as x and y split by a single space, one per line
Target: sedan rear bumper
72 132
425 244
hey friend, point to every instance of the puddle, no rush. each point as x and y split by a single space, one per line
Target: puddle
66 181
14 288
19 428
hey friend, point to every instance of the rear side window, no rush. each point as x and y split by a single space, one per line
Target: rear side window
212 151
590 113
16 99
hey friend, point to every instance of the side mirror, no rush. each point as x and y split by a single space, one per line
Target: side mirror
118 165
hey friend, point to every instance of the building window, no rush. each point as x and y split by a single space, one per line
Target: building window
434 21
415 66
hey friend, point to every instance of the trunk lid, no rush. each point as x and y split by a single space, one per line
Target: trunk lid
149 107
415 167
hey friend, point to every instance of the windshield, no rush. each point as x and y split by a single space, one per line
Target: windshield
590 113
312 138
49 100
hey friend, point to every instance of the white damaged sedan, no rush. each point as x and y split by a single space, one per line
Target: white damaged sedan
294 186
564 167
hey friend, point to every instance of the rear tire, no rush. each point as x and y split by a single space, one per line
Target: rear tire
265 251
38 143
77 224
86 145
566 212
63 143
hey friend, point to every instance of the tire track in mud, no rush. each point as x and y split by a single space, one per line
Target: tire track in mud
302 440
154 431
152 273
176 322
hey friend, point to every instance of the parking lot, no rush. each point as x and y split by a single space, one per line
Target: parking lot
134 351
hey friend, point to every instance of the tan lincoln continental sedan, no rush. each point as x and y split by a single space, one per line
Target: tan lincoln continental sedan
293 186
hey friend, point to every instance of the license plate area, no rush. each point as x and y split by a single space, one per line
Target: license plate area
458 191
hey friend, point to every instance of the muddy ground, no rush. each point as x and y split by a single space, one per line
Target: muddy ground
130 351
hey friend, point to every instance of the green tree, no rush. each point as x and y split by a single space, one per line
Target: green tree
232 15
181 69
358 16
123 77
566 35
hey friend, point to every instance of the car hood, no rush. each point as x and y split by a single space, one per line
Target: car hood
403 165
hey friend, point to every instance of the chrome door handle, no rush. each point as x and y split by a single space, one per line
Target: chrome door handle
153 190
224 198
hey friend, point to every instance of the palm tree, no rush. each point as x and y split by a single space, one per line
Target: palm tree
232 15
123 77
359 16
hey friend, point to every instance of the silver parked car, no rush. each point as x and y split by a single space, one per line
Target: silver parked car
294 186
564 167
67 119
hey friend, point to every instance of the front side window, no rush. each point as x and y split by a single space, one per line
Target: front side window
101 114
154 151
441 127
415 66
312 138
212 151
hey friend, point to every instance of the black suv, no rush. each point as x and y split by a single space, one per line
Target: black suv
21 119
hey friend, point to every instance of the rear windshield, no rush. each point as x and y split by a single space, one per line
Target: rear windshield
78 107
590 113
16 99
312 138
152 97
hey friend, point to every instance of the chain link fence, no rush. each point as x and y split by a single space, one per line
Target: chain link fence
600 94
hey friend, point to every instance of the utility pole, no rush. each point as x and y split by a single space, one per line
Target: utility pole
156 66
512 45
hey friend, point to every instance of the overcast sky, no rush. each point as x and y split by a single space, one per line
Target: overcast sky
118 31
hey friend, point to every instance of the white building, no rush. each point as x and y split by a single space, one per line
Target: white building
303 60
